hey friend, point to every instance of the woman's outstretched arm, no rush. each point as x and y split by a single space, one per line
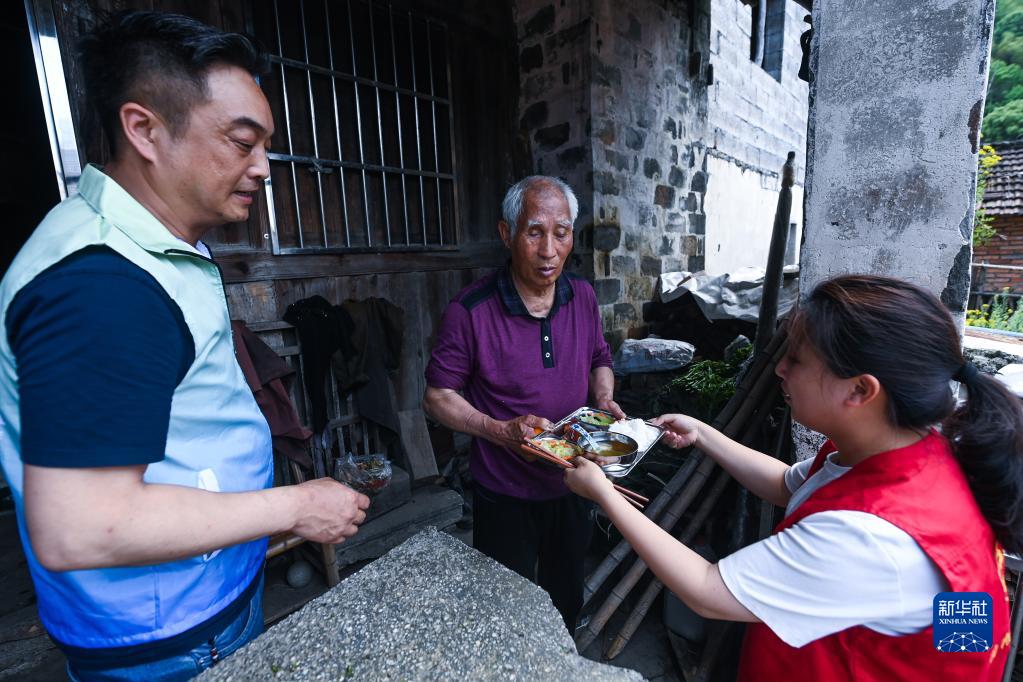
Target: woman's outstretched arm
761 474
692 578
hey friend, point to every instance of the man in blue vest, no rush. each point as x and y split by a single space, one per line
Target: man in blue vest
139 462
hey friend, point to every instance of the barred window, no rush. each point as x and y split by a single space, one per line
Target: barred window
362 154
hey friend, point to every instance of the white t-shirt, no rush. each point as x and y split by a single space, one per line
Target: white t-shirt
833 570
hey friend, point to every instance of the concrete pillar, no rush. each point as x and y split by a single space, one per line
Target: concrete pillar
895 111
894 127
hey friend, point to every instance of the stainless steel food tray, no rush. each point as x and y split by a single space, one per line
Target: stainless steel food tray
618 469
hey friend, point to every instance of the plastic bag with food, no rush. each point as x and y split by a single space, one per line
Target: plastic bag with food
367 474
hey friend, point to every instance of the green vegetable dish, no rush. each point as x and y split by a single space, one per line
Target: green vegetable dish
595 418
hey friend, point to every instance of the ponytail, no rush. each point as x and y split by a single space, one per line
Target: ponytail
986 433
904 336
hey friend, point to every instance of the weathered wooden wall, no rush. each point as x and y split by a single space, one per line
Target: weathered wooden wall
487 150
422 295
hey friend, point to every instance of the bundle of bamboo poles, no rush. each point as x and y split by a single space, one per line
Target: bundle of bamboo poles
741 418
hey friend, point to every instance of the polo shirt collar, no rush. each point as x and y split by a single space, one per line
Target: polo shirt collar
123 211
512 302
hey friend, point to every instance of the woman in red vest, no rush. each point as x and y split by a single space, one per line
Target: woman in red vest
911 496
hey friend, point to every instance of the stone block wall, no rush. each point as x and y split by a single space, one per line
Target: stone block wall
614 97
612 100
554 102
649 122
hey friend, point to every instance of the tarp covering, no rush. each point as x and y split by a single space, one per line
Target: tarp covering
731 296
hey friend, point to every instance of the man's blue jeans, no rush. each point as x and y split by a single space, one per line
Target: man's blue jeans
188 664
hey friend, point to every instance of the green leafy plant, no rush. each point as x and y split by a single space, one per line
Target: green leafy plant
711 382
987 159
1003 110
999 314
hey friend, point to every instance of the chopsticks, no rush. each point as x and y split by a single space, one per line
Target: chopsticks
632 497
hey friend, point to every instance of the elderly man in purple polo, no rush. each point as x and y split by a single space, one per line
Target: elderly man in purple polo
519 349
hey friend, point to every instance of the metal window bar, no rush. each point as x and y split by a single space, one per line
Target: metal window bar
451 137
337 125
358 127
415 110
312 122
287 129
397 119
321 165
380 125
433 122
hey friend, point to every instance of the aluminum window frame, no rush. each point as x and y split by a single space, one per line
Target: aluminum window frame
60 125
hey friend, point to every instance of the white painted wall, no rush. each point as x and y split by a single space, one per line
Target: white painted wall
740 205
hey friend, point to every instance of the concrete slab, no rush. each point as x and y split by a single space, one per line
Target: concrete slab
988 340
429 506
430 609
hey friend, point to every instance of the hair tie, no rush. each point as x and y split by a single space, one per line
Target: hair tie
966 373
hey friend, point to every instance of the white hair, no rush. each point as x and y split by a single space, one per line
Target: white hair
511 207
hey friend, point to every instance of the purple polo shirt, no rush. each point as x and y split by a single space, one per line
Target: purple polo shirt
508 363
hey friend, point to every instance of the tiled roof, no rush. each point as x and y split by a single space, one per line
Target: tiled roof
1004 192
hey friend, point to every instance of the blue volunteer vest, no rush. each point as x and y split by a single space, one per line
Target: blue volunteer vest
217 438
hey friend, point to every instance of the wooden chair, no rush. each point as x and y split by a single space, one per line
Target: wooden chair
346 429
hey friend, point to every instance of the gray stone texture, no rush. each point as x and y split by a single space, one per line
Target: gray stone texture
699 182
531 58
677 177
636 73
664 196
607 290
540 22
634 139
651 169
553 136
697 223
573 157
650 266
755 118
891 178
640 288
430 609
429 506
606 237
554 98
534 116
623 266
630 81
624 313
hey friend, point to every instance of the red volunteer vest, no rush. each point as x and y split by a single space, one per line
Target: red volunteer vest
922 490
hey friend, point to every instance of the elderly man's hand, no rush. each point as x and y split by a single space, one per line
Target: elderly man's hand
609 405
329 512
512 432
